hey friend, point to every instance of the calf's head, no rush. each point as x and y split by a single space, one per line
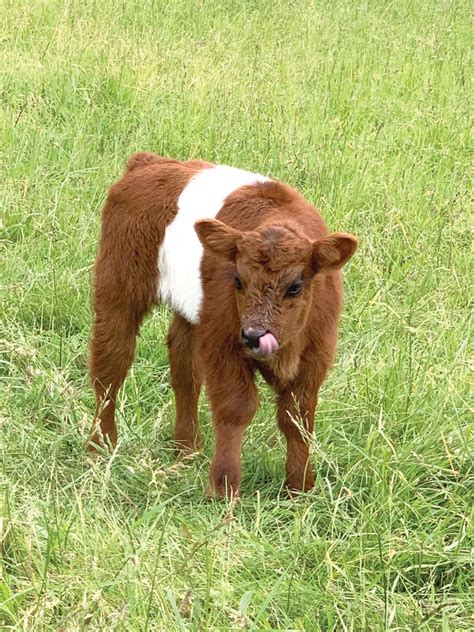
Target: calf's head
272 270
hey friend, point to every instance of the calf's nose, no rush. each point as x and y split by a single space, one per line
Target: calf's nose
252 336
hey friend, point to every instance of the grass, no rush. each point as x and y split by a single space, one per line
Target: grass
364 106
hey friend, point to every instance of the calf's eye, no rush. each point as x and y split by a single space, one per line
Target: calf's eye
294 289
238 282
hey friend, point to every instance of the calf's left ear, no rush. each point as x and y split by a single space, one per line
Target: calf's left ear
218 237
331 253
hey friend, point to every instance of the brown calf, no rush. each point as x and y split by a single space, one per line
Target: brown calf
256 287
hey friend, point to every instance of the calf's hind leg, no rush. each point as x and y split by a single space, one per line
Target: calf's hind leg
113 344
186 382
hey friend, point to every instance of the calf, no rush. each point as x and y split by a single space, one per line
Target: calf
252 274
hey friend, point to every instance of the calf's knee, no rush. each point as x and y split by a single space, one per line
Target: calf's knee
234 408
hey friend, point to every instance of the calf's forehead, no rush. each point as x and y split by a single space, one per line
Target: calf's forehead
265 275
273 253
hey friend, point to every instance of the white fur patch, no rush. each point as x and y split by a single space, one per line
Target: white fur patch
179 260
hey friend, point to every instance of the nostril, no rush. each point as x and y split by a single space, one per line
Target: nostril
252 336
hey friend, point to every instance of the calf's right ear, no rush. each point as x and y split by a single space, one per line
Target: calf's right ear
332 252
217 237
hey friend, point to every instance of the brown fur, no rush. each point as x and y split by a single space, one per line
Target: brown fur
268 235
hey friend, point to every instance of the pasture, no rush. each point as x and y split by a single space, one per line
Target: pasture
362 105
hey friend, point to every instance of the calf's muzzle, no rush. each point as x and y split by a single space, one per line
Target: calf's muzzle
259 341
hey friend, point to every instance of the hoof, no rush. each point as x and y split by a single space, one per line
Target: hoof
187 447
300 483
221 492
99 442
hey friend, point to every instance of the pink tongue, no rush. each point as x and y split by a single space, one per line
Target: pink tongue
267 344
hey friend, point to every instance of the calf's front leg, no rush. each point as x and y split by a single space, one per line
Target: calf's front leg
234 400
296 406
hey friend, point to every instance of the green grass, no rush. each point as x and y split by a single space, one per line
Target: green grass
364 106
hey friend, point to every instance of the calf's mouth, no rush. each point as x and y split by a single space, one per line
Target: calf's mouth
259 342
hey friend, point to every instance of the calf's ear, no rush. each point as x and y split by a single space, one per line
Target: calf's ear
332 252
218 237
